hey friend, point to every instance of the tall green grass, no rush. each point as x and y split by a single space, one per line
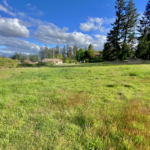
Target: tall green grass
93 106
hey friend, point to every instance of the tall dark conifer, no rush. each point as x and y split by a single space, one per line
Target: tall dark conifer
115 35
64 52
131 17
143 50
75 49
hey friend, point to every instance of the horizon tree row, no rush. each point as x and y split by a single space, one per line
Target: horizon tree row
68 53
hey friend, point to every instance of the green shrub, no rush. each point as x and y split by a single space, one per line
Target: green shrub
26 65
86 60
8 63
51 63
67 61
71 61
41 64
96 59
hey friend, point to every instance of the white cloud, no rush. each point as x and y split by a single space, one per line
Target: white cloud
96 24
22 14
16 45
2 8
98 44
13 28
92 24
6 4
51 34
97 36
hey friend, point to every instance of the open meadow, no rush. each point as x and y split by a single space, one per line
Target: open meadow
84 107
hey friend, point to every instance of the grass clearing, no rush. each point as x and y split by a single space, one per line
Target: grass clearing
88 106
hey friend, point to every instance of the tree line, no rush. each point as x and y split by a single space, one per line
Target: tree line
21 57
67 54
129 36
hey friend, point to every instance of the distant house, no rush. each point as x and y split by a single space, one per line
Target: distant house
98 55
57 61
28 62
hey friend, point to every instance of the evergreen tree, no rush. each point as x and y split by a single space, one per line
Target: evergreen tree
145 21
67 48
41 53
116 34
69 53
131 17
143 50
90 52
64 52
109 53
85 48
57 50
75 49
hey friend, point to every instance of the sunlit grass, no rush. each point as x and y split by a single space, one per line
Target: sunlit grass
91 106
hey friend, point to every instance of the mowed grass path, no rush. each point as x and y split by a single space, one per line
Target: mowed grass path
89 107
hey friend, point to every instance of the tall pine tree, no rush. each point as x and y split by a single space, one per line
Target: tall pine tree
115 35
143 50
131 17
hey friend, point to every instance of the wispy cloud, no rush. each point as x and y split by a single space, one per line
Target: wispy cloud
2 8
6 4
28 4
22 14
34 10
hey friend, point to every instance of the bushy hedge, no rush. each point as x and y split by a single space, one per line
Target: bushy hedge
39 64
50 63
96 60
26 65
8 63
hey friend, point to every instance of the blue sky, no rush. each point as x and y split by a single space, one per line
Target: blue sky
25 26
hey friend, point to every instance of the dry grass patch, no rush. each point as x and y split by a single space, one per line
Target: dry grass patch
135 122
3 77
77 99
72 99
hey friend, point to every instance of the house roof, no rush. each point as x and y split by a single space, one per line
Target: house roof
55 60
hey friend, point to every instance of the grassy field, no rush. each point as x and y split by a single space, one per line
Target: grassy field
81 107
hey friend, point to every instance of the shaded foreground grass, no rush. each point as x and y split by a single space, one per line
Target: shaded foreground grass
91 107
